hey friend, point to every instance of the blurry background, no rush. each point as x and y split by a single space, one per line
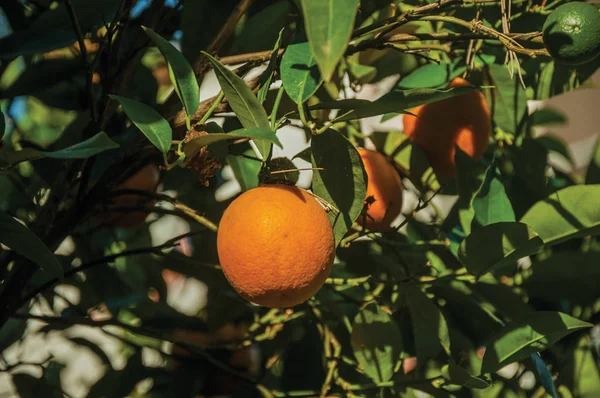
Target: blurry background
82 365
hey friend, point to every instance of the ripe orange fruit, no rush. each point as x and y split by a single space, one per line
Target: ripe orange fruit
275 245
385 187
146 179
464 120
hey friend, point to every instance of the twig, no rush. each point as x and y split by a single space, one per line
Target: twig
171 106
201 64
84 58
105 260
260 56
144 331
178 120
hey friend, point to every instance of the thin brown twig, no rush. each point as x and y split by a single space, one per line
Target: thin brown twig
84 58
259 56
201 66
105 260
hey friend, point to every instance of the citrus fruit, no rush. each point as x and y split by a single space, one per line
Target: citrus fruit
146 179
571 33
384 191
275 245
464 120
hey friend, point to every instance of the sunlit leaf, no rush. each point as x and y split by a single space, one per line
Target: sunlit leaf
181 73
580 370
454 374
299 73
519 339
497 245
376 342
245 169
492 205
328 25
427 76
244 103
151 123
568 213
411 160
509 104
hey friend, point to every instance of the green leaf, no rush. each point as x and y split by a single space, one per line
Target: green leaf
509 99
243 101
547 116
492 204
246 170
566 214
389 116
579 370
343 180
521 338
411 160
282 170
151 123
395 101
85 149
376 342
544 88
180 71
328 25
259 133
569 276
2 125
469 180
299 72
454 374
429 325
23 241
268 74
555 144
53 29
361 74
427 76
543 374
592 176
497 245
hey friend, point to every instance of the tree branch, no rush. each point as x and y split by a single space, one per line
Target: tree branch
171 107
84 58
105 260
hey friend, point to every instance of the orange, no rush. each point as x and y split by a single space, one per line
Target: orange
464 120
384 191
146 179
275 245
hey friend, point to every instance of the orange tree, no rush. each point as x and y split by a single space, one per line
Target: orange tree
433 303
